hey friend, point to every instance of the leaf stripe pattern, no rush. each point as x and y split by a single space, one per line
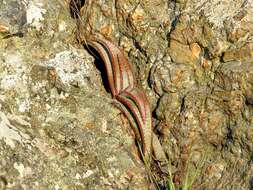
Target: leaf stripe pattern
133 102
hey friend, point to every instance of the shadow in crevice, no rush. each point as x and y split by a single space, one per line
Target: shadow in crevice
99 63
75 7
251 184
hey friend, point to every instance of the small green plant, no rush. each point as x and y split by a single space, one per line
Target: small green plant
190 176
170 185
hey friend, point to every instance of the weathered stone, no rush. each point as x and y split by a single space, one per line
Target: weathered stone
196 49
169 108
13 16
179 53
55 130
193 58
182 53
243 54
171 77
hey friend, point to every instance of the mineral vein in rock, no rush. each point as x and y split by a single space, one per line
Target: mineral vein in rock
134 103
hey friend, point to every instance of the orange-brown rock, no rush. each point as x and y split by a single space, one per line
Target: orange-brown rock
181 53
242 54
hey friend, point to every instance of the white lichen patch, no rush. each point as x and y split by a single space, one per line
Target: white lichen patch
13 75
62 26
72 66
88 173
78 176
14 61
39 87
9 133
23 171
16 82
56 187
104 126
34 14
23 105
218 11
9 81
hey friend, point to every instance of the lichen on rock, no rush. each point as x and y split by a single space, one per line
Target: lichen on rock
194 59
59 128
55 130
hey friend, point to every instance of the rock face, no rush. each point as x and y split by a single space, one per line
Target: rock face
194 58
59 128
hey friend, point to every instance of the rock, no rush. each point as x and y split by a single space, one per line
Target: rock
58 128
196 49
12 16
172 77
183 54
243 54
55 130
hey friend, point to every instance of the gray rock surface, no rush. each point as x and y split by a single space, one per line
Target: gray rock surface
59 128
